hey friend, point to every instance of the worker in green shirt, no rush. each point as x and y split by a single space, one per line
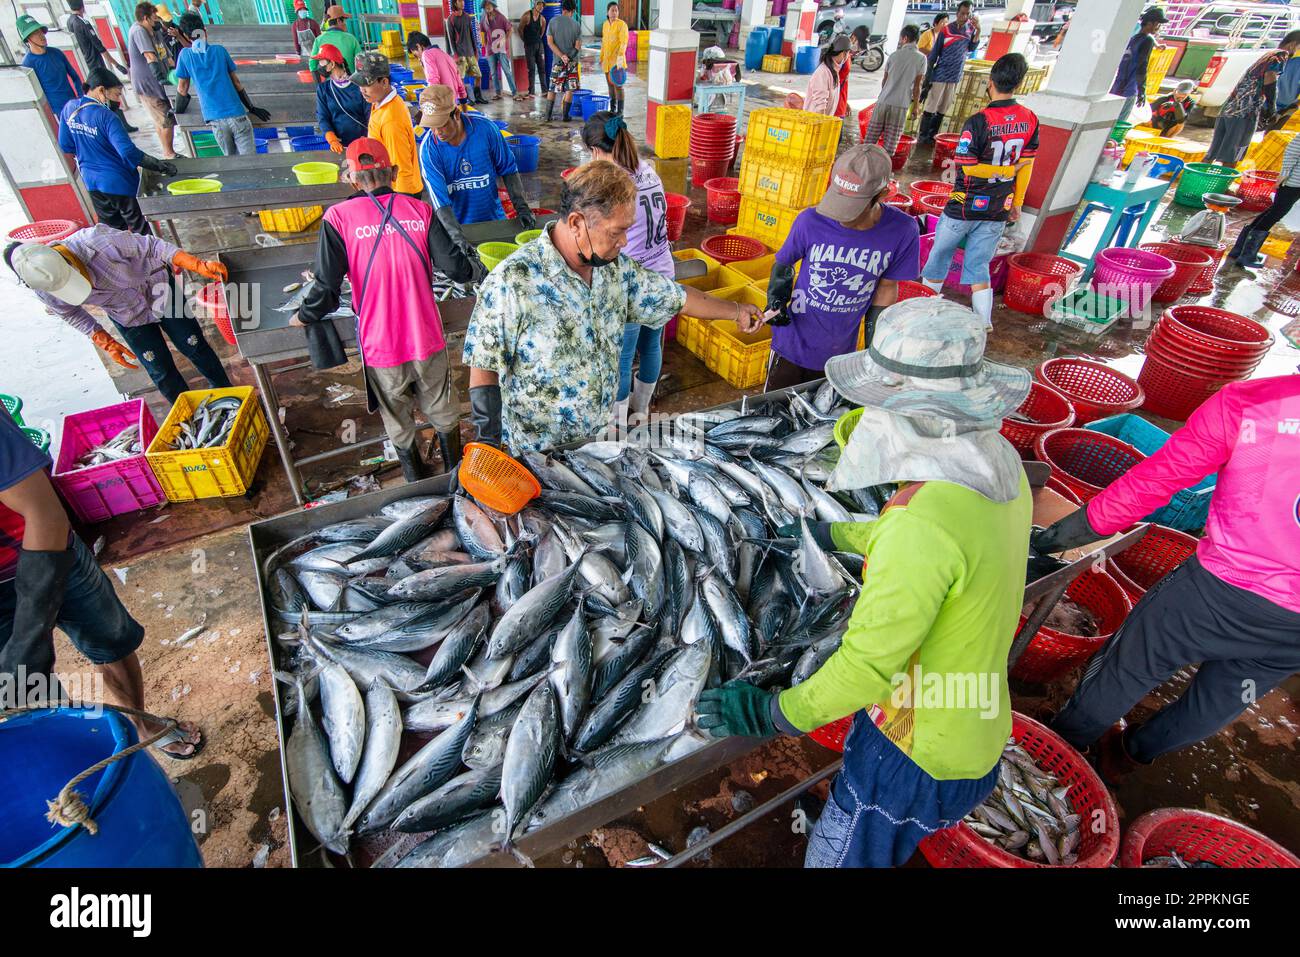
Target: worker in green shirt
336 32
922 666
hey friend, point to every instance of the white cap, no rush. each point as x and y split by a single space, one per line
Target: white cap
44 270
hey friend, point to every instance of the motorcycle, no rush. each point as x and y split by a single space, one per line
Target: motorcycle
872 58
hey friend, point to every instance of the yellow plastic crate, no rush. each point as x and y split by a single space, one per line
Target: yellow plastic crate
710 279
770 177
1157 67
673 130
1293 124
291 220
1267 154
642 44
775 63
1138 141
740 358
1277 248
769 223
694 333
800 137
747 271
221 472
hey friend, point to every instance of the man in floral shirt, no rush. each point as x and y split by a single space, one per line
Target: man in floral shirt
543 343
1254 94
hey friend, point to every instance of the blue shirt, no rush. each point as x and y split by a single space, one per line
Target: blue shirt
210 72
341 110
948 55
1288 84
58 79
1131 76
465 176
105 154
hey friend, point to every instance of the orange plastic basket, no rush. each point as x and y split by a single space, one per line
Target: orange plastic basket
496 480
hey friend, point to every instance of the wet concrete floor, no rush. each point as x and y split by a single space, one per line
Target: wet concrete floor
182 561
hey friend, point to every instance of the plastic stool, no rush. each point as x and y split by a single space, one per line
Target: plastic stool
1167 167
1130 217
704 93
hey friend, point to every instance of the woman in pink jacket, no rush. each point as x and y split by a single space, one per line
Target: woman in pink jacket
1233 607
439 67
823 94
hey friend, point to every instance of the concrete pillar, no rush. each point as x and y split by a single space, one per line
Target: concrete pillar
587 12
1013 8
890 16
800 25
753 13
674 48
1075 112
38 172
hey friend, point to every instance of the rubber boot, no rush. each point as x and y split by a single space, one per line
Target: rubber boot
1246 251
929 123
1114 763
618 418
639 400
449 447
550 109
413 466
565 110
479 98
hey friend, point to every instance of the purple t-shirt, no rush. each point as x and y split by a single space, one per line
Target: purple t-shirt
837 281
647 237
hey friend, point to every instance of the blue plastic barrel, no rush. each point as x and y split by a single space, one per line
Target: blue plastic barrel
805 58
775 38
594 104
307 144
755 48
550 10
141 821
292 131
527 150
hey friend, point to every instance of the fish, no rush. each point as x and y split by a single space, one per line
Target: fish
788 491
531 614
404 508
642 506
316 792
811 440
458 845
609 710
670 706
534 655
706 494
383 738
436 584
1028 813
476 531
646 563
594 472
580 506
733 623
486 746
344 718
406 532
529 758
556 475
611 667
428 626
570 673
365 665
718 548
679 522
825 506
323 588
460 797
816 568
429 768
464 639
121 446
603 576
610 771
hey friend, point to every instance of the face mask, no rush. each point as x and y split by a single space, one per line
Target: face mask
303 14
592 260
343 82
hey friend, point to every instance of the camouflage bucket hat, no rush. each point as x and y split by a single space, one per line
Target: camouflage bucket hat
927 360
369 67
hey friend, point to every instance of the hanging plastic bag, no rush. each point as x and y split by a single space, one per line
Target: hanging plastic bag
1140 115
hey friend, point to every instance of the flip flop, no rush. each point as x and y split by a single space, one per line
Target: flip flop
176 736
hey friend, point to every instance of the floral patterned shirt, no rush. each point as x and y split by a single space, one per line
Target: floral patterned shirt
554 341
1248 95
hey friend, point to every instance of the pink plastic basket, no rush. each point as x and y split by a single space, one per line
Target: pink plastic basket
114 488
1131 274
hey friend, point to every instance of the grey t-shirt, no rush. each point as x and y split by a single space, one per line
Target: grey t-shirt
903 67
140 41
567 33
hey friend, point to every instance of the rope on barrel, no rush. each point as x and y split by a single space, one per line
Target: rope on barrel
69 808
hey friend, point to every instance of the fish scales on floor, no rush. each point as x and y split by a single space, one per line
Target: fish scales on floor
547 659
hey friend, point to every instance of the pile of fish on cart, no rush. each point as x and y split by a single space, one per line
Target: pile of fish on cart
544 660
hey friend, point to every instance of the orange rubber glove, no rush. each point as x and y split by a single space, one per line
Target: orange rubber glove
333 140
208 269
116 351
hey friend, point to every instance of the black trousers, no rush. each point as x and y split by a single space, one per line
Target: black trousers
120 212
1286 197
1244 643
150 348
782 373
535 59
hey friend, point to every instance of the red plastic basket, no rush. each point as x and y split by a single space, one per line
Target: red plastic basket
1052 411
907 289
1161 343
1085 460
1172 391
1217 329
1205 281
933 187
728 248
713 136
1036 279
676 218
945 148
704 170
832 735
961 847
1256 189
1052 653
98 492
902 151
1189 263
1063 490
1199 836
723 199
43 231
1150 559
211 300
1095 390
930 204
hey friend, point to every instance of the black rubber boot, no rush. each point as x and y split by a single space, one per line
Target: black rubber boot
550 110
449 446
1246 251
413 465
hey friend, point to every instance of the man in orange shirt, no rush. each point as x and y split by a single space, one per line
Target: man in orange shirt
390 121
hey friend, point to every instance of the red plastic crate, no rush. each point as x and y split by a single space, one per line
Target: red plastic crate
1085 460
1052 410
114 488
1052 653
1095 390
961 847
1199 836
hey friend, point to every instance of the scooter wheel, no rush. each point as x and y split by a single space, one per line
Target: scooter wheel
873 60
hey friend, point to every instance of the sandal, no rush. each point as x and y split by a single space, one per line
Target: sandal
177 736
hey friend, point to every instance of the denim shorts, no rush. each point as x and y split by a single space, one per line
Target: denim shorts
981 243
92 615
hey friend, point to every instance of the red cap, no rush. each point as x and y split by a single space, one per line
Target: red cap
329 51
300 4
369 147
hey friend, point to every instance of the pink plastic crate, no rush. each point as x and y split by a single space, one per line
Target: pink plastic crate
114 488
630 53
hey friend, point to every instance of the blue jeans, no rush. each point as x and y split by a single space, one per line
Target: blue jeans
650 344
981 243
504 63
882 804
91 614
234 135
186 335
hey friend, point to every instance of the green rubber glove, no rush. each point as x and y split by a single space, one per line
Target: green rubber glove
737 708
